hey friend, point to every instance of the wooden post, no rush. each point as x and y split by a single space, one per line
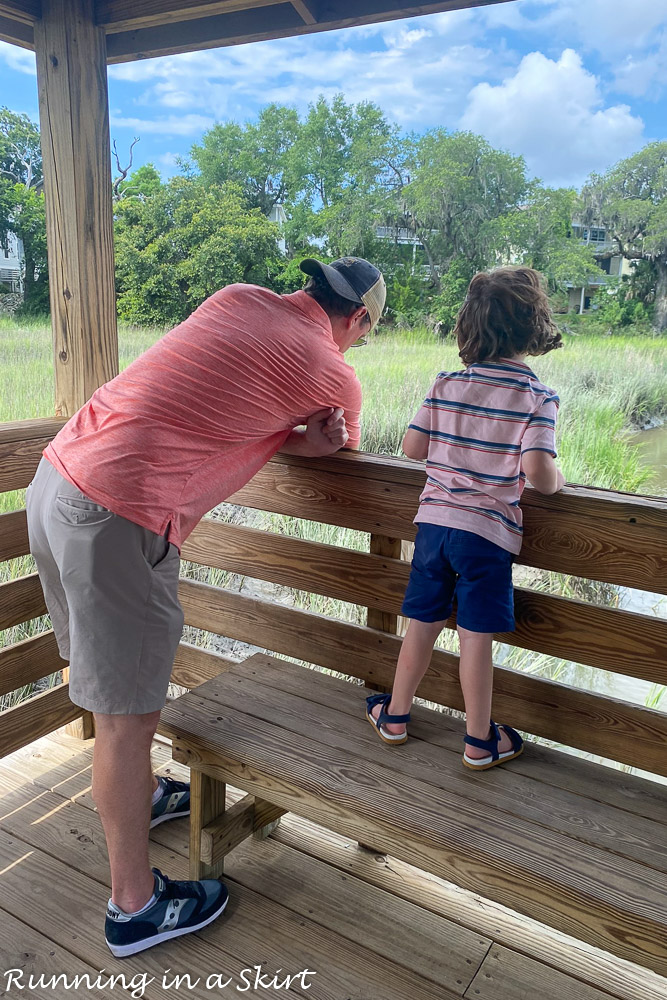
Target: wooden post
207 804
382 545
74 123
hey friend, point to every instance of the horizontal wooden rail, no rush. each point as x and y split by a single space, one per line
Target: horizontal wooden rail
36 717
21 446
606 638
21 600
13 535
28 661
194 665
616 538
589 722
628 547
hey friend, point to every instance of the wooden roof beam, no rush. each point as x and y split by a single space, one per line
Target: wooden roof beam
265 19
16 20
130 15
16 32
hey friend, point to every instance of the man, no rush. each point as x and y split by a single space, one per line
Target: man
122 485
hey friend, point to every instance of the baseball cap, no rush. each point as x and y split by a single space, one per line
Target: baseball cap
352 278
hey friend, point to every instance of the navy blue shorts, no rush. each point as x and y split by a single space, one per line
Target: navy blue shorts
451 563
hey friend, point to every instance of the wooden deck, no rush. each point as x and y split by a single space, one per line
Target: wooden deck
371 928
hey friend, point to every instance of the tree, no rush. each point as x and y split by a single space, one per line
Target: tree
460 187
539 234
630 201
22 202
256 156
347 162
179 245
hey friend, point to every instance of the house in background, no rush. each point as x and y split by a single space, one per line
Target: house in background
612 265
11 264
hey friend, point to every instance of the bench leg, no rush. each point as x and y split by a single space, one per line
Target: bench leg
207 803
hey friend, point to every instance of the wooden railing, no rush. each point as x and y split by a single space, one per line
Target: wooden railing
594 534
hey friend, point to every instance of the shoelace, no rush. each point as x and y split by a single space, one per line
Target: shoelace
173 889
170 785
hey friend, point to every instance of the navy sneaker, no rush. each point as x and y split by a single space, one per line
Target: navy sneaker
179 908
174 802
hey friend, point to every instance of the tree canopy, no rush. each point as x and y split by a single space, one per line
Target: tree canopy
630 201
430 210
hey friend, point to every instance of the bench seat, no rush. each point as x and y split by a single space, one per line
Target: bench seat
577 846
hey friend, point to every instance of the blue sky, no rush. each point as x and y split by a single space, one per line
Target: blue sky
572 85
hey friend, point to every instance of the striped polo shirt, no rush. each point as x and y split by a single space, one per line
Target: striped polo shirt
480 422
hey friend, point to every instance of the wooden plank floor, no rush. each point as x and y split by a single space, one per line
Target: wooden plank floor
370 927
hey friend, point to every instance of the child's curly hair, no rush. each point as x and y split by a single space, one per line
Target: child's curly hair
506 312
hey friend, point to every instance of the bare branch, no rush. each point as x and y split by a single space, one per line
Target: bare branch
123 171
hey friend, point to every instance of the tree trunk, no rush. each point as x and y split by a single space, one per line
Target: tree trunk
660 317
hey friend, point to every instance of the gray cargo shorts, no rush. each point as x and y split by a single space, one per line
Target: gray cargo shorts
111 589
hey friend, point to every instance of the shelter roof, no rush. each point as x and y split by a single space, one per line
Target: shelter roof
140 29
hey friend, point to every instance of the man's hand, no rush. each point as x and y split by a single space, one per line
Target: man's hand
335 429
325 434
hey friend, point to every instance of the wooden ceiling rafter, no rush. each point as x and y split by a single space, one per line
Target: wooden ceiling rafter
141 29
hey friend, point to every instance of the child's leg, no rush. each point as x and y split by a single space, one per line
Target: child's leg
413 662
476 676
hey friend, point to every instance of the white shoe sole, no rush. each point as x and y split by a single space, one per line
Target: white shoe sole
124 950
165 816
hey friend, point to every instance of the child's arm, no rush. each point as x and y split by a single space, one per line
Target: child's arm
415 444
542 471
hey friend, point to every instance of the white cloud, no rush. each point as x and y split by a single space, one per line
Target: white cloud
21 60
172 125
553 114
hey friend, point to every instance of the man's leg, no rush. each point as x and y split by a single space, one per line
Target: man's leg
123 784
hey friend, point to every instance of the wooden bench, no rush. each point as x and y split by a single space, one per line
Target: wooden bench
556 838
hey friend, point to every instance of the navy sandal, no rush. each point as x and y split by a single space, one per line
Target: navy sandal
384 718
482 763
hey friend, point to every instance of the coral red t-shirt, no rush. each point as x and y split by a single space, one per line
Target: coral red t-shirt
194 418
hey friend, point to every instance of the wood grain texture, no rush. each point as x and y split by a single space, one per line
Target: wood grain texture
16 32
239 822
74 125
22 10
193 665
607 638
35 717
207 804
621 549
601 969
29 660
310 704
21 446
255 928
386 548
623 792
220 30
503 973
36 955
563 884
589 722
121 15
21 600
13 535
300 856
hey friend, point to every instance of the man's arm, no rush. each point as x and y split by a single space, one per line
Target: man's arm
325 433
